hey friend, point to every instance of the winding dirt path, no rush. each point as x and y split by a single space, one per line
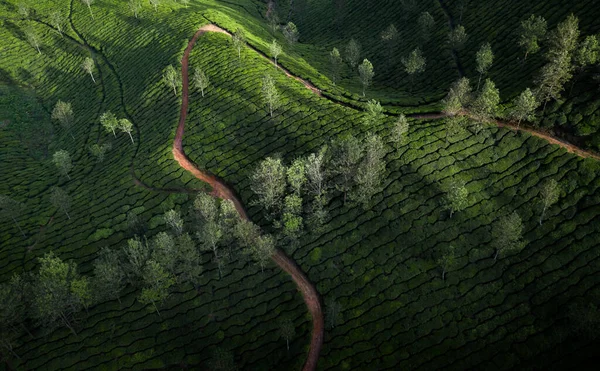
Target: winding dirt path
221 190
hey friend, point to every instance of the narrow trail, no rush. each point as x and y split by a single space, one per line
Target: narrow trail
221 190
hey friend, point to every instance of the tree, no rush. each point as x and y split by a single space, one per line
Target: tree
370 171
458 97
454 126
399 129
457 37
173 220
484 58
273 20
552 78
185 2
135 6
171 78
14 297
109 276
531 32
390 37
587 53
314 168
99 150
54 303
524 106
413 64
275 50
268 183
353 51
61 200
333 312
126 126
63 113
336 63
426 23
89 3
291 34
262 250
456 196
200 80
549 193
563 38
62 160
365 71
188 263
12 209
155 4
23 9
291 221
81 291
287 330
374 115
213 226
158 283
32 38
88 67
239 41
57 19
270 93
136 254
345 157
296 175
109 122
485 105
447 260
164 251
507 234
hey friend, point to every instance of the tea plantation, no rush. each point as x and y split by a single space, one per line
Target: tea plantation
387 305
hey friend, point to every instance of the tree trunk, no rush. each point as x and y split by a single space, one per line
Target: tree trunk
519 123
542 216
68 176
444 275
479 82
68 324
130 137
287 341
90 8
156 308
451 213
17 224
66 212
496 256
114 133
38 49
175 89
93 79
202 90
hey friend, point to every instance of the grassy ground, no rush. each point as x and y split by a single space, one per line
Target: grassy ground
379 265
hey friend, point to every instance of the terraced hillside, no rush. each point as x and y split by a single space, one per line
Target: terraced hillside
378 266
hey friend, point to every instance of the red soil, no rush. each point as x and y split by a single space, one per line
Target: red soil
221 190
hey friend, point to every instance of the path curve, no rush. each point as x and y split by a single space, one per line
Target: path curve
221 190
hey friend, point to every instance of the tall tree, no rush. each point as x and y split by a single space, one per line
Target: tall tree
485 105
563 38
14 300
314 168
549 193
109 276
171 78
89 3
447 260
63 113
365 71
370 171
353 51
287 330
457 37
211 230
524 106
270 93
164 251
456 196
296 175
346 154
12 209
333 312
135 6
201 81
390 38
587 52
374 115
458 97
507 234
54 303
292 222
33 38
413 64
126 126
109 122
275 50
531 32
189 265
268 182
399 130
99 150
291 34
454 127
61 200
62 160
484 58
173 219
336 63
263 249
88 67
137 253
157 284
426 23
552 78
57 19
273 20
239 41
